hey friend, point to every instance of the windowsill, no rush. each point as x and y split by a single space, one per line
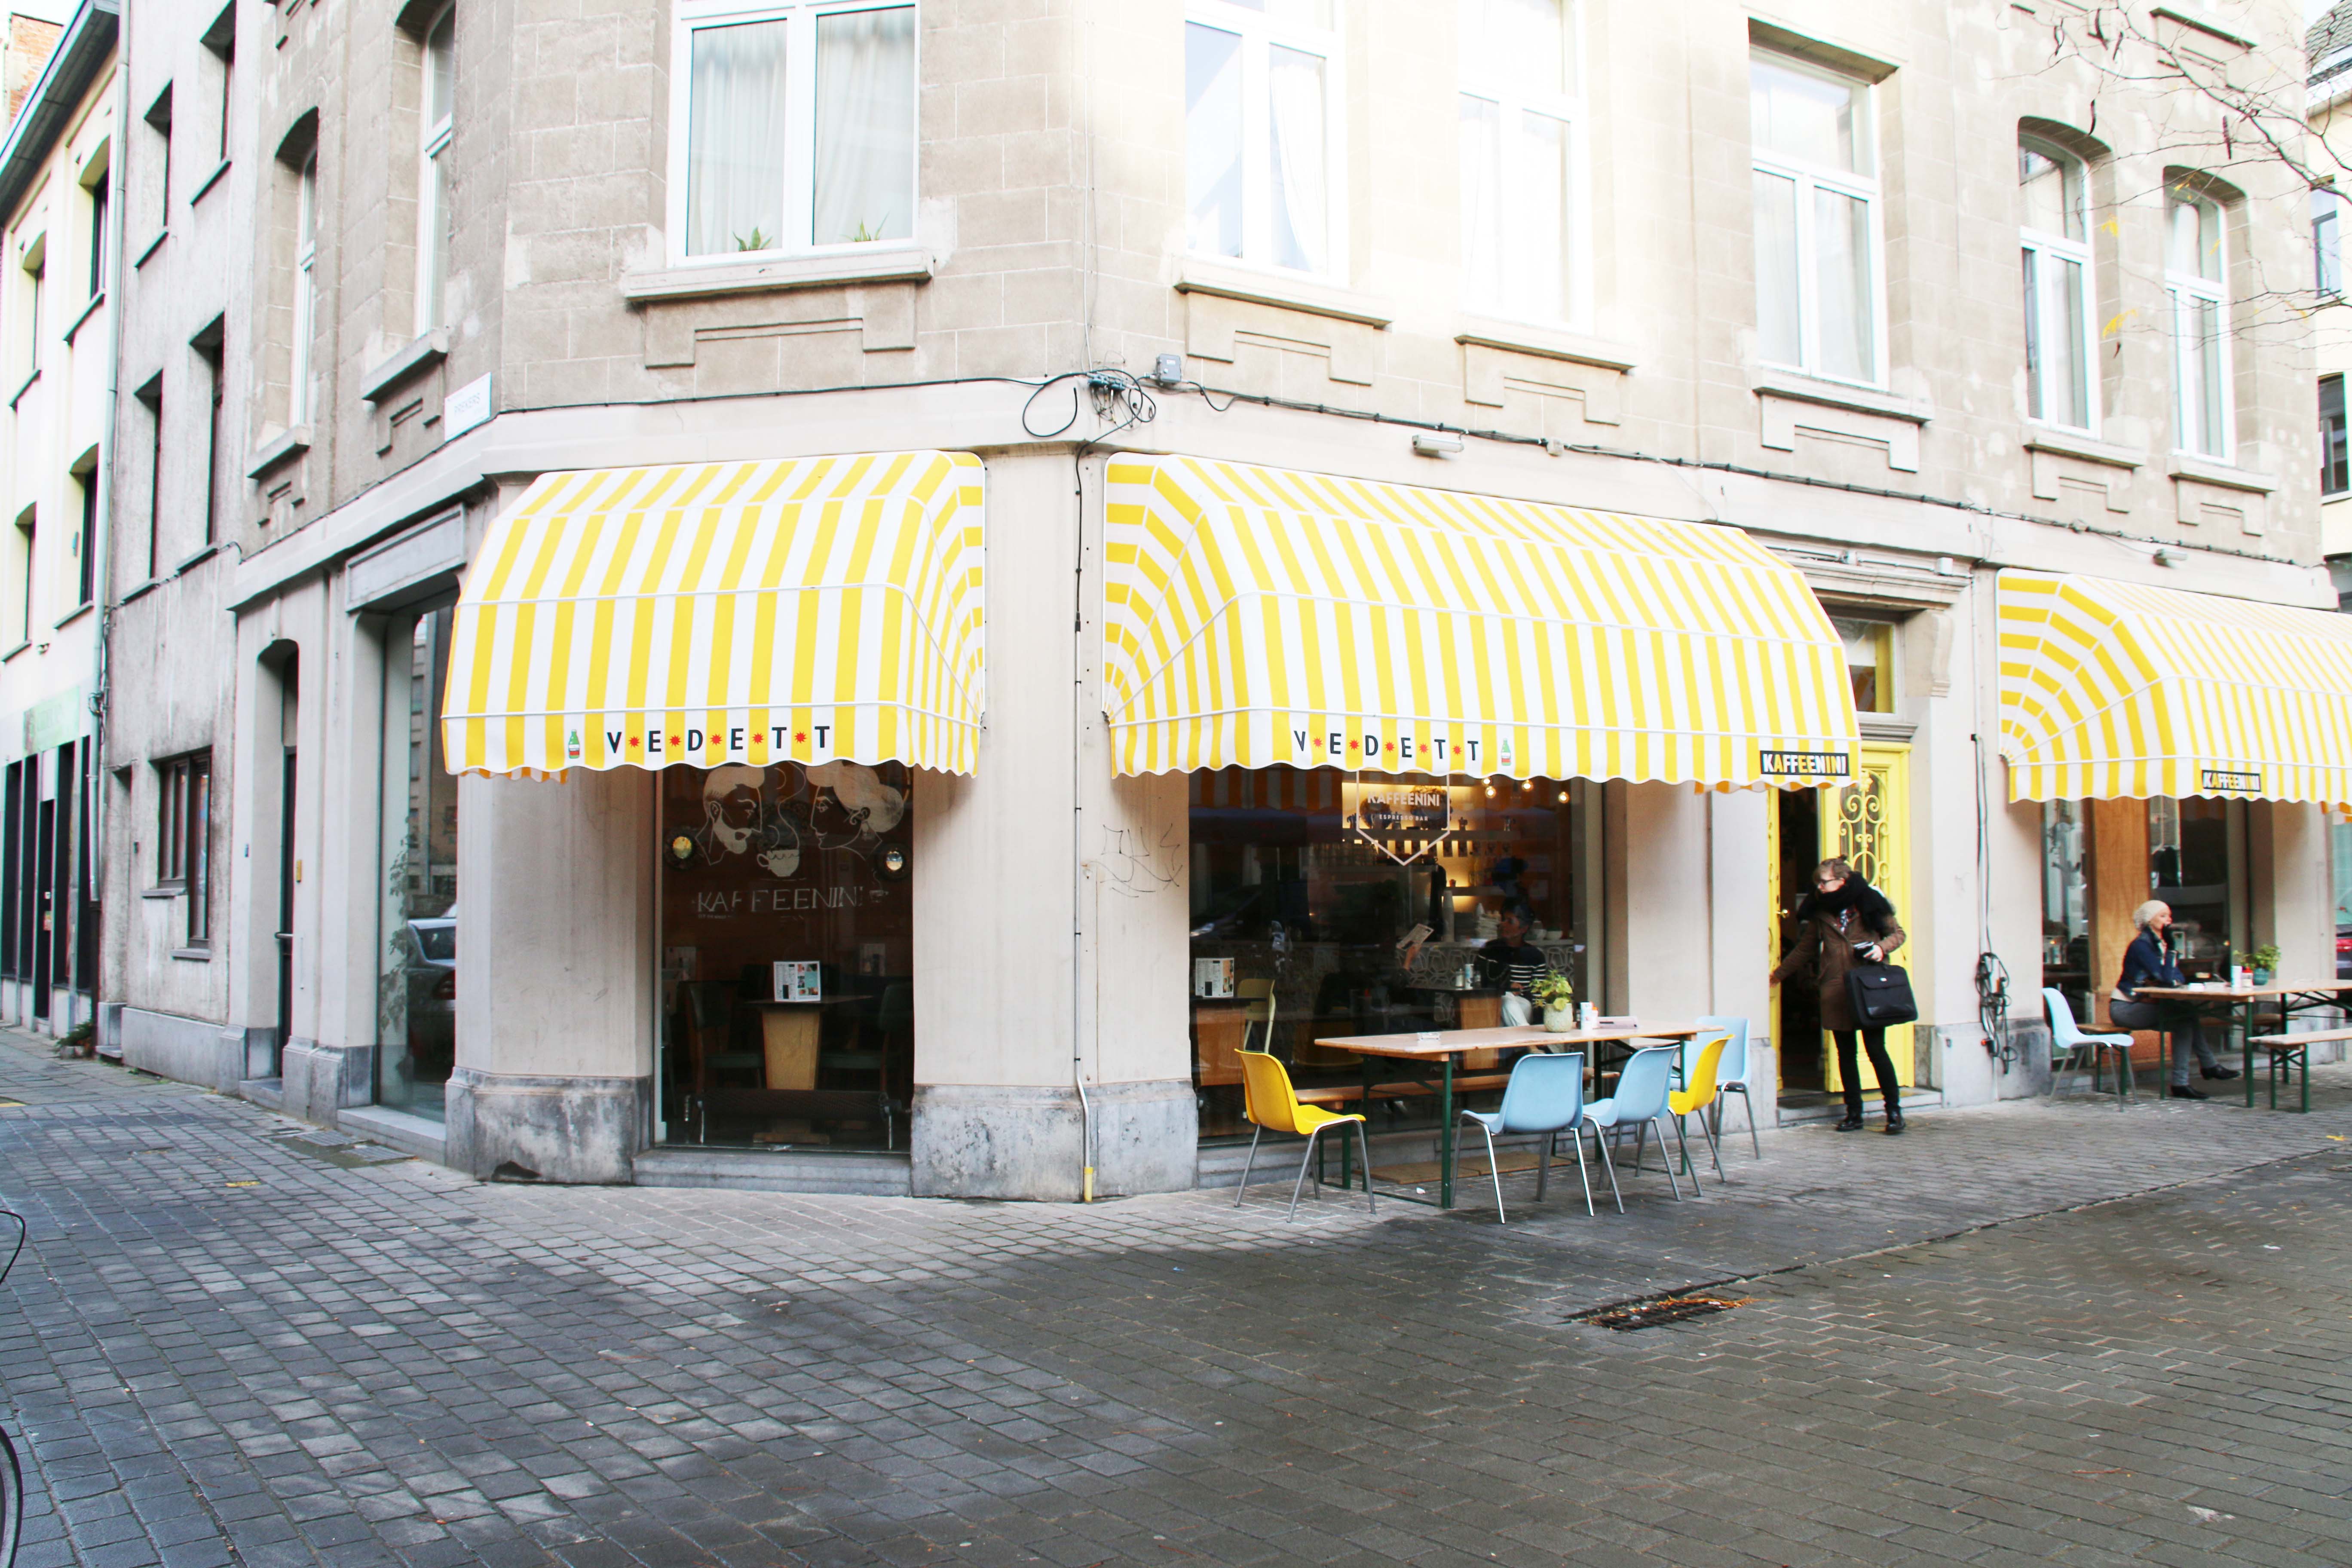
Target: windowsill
88 311
2228 476
154 245
2040 438
193 954
423 353
282 450
77 613
198 559
165 891
210 181
883 262
140 591
1547 342
18 395
12 652
2330 498
1285 291
1837 394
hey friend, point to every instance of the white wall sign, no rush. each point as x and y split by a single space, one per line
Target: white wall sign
468 406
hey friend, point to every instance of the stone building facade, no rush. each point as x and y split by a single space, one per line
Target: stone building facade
1711 264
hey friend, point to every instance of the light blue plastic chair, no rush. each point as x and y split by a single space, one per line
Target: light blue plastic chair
1640 1103
1544 1099
2067 1035
1731 1073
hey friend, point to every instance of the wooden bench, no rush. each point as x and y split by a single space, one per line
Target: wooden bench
2286 1052
1340 1093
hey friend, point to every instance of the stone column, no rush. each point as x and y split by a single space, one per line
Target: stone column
555 977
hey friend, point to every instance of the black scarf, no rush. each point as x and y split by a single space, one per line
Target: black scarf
1867 903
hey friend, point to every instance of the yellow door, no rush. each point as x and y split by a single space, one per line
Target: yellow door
1867 824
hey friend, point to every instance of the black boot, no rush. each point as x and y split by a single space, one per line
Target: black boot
1894 1121
2217 1070
1853 1122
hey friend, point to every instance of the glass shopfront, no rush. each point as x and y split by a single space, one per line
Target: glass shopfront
1326 905
2100 860
788 1015
417 975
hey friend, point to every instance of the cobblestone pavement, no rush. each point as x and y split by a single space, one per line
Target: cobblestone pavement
2041 1333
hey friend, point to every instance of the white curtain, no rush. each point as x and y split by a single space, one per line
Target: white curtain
1482 199
735 140
1538 290
1776 269
1848 328
866 126
1300 180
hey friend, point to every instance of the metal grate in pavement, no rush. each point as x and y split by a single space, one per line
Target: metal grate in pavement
1665 1309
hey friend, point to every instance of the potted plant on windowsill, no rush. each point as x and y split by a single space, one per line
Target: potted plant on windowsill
1556 997
2264 961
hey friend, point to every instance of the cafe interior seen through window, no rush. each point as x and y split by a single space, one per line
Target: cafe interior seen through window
788 1013
1306 926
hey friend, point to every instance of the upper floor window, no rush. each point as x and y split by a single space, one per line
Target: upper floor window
439 122
2055 234
2327 243
97 189
1816 187
1262 133
1522 128
37 278
306 290
2196 279
2335 450
798 126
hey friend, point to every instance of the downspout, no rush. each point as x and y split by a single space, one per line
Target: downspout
1079 870
94 810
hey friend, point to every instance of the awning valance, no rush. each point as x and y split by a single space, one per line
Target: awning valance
809 609
2111 689
1264 616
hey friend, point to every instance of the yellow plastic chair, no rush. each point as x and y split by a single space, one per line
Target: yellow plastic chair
1270 1102
1259 995
1699 1096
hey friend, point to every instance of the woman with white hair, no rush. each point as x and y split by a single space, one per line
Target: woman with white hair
2148 961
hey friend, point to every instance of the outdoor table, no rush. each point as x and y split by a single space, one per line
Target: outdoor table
2291 998
1442 1046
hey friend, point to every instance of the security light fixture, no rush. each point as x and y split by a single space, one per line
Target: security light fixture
1436 444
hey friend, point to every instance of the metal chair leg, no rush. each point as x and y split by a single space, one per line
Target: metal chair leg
1301 1181
1682 1140
1364 1147
1608 1162
1543 1161
1676 1181
1713 1144
1641 1137
1255 1133
1576 1136
1494 1173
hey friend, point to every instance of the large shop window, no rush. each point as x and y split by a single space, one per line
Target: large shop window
2339 835
788 1001
2066 954
1306 926
416 986
2189 863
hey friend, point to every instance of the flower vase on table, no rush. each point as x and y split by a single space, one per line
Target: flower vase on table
1558 999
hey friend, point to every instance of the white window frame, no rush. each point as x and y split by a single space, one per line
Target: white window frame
1810 177
2326 254
798 237
1259 34
2182 291
2043 245
1568 106
432 142
306 298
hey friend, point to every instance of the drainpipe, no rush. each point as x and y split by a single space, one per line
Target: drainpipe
94 810
1079 870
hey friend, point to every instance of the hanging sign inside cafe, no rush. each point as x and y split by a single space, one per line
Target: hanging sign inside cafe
1404 822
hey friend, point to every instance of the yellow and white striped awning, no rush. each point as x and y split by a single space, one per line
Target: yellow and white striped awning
1258 616
2110 690
810 609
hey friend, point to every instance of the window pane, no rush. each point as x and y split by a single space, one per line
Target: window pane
866 126
2200 375
2334 451
1516 46
416 984
2050 189
436 240
2035 366
2193 239
1539 259
735 140
2071 388
441 70
1800 114
1295 152
1481 197
1213 139
2326 244
1776 270
1842 283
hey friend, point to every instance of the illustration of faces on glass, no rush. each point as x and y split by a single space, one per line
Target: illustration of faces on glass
861 805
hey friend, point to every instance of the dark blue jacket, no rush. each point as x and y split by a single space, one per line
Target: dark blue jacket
2145 962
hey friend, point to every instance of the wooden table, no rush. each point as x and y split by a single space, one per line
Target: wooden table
2291 998
1444 1047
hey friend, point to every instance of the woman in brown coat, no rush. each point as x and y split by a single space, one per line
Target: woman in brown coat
1843 921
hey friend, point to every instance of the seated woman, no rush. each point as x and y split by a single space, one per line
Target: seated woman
1513 964
2148 961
